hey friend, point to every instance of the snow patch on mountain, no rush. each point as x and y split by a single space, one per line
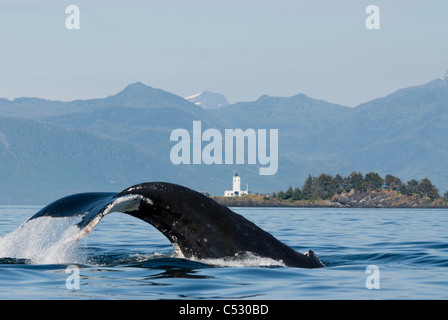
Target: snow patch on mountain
208 100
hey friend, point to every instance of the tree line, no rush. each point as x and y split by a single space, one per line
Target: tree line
325 186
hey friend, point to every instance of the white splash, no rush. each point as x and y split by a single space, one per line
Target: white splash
44 240
243 260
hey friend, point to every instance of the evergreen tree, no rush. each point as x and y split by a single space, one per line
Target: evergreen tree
325 186
445 196
411 187
357 181
289 193
427 189
338 183
346 184
281 195
297 194
374 181
393 183
309 189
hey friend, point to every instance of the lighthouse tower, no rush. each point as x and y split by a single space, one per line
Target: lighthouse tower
236 184
236 188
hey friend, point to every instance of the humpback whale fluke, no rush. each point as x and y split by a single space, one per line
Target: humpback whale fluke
196 225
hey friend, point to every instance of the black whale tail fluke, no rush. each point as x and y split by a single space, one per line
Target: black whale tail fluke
196 225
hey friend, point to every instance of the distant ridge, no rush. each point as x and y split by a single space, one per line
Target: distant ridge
134 95
51 148
139 95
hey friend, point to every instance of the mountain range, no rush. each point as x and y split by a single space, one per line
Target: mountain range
49 149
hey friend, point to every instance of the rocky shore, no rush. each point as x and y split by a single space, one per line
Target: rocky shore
352 199
385 199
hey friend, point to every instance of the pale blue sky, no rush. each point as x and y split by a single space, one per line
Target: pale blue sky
240 48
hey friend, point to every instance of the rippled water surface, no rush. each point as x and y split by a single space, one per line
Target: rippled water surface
125 258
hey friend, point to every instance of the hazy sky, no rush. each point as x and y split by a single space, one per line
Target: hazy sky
240 48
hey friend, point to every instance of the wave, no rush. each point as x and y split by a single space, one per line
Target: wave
414 254
244 260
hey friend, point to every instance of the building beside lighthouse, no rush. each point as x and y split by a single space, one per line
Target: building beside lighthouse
236 192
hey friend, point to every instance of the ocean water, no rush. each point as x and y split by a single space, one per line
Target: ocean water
368 253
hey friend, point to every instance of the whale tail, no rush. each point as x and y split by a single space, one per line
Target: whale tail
196 225
314 258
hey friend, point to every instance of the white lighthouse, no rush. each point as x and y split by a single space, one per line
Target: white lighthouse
236 192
